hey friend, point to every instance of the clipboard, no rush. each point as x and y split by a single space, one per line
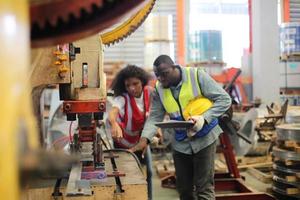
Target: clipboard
175 124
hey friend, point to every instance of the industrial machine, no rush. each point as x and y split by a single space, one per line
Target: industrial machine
82 87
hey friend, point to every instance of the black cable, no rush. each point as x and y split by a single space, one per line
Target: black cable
56 193
127 151
124 150
113 162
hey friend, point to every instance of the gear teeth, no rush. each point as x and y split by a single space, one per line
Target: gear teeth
65 18
53 21
76 14
53 17
98 4
131 29
40 24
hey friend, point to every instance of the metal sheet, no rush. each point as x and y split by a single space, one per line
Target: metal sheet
284 169
247 124
175 124
283 192
292 118
288 132
286 155
282 180
76 186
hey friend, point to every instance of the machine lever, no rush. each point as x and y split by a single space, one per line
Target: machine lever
227 124
245 138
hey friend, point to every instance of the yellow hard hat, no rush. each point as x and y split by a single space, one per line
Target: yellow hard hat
196 107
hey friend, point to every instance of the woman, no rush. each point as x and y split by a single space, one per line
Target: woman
129 112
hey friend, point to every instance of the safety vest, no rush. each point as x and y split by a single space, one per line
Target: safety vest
190 91
132 122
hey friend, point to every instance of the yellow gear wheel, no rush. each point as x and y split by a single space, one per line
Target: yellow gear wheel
128 27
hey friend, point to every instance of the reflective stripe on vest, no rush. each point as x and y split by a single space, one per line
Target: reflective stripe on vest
189 90
132 129
128 111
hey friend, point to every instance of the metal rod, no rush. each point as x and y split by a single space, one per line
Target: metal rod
229 85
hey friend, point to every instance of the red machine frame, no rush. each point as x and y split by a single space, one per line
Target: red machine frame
90 106
87 134
232 181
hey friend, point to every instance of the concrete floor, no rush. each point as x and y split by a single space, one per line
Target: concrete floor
160 193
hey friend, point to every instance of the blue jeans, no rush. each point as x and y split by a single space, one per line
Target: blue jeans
147 160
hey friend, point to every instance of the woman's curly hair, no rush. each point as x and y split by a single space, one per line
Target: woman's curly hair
130 71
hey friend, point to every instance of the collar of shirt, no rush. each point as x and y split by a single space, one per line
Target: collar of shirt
183 78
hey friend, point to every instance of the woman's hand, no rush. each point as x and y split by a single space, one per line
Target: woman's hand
116 131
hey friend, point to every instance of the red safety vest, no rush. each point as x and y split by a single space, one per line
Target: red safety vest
133 121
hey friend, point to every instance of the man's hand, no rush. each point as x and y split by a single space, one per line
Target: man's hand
140 146
116 131
198 124
158 138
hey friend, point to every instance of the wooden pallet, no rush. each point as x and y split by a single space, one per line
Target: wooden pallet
289 145
267 134
292 191
261 173
244 162
249 160
292 179
285 189
164 168
289 177
220 166
290 57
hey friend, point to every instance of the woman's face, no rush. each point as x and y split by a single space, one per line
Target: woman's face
134 86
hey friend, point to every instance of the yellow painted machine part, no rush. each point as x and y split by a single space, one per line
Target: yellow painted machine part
128 26
15 101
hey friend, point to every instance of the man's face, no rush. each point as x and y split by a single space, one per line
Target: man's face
134 86
165 74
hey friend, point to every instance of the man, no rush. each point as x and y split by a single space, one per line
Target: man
193 150
129 112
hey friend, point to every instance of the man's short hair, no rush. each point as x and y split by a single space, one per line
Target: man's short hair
163 59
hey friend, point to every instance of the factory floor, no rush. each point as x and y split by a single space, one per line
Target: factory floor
160 193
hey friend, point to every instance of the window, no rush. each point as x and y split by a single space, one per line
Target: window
230 18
